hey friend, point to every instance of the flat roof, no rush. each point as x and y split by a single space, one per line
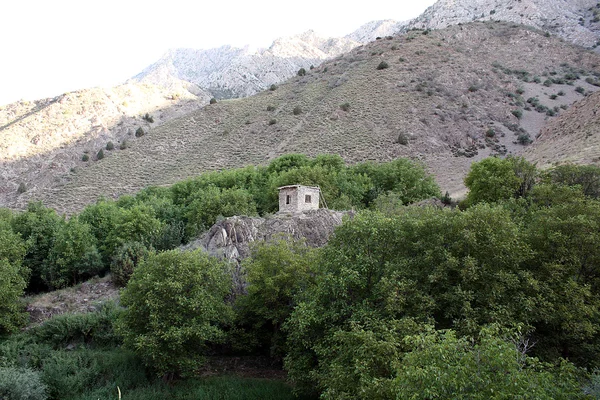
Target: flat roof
298 186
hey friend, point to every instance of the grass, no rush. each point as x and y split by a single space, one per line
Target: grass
225 387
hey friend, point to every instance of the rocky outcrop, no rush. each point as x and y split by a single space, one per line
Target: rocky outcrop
231 239
575 20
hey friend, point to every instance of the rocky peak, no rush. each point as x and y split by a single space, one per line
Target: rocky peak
575 20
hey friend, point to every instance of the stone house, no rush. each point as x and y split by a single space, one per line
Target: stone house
297 198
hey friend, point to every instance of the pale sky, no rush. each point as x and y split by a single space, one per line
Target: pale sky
49 47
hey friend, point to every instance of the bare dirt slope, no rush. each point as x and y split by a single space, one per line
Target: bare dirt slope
445 97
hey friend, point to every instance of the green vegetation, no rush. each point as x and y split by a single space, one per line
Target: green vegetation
148 118
345 106
22 188
110 146
301 72
85 158
403 302
297 110
100 155
139 132
213 101
382 65
175 307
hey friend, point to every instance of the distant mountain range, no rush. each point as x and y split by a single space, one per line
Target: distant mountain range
443 96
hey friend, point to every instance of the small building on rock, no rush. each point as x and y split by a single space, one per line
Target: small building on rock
297 198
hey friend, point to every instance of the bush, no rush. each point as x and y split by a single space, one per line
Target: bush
277 272
92 328
402 139
297 110
147 118
580 90
125 260
547 83
517 113
85 158
22 188
490 132
524 139
110 146
213 101
272 121
270 108
175 308
273 87
21 384
382 65
100 155
139 132
301 72
12 285
345 106
123 145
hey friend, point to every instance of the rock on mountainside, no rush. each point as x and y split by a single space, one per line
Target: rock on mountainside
577 21
229 72
445 97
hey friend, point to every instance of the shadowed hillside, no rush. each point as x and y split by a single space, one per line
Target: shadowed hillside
445 97
573 137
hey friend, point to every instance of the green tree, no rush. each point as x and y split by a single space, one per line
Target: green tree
38 226
442 366
73 257
13 278
490 180
278 272
585 176
125 260
175 307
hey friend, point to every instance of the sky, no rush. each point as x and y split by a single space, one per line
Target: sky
49 47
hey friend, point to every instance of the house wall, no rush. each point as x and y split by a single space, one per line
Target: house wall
298 199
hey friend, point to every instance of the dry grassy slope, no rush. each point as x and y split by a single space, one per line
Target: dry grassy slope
572 137
42 140
440 90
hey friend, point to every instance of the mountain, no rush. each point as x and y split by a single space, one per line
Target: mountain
444 97
42 140
577 21
230 72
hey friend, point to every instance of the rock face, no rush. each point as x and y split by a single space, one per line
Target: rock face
576 21
230 72
231 238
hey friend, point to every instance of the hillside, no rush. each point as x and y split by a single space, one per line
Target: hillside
577 21
572 137
43 140
447 97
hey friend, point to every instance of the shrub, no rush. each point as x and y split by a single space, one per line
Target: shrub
123 145
490 132
345 106
12 285
270 108
213 101
148 118
580 90
548 83
553 96
524 139
21 384
85 158
100 155
446 199
273 87
272 121
110 146
402 139
175 307
520 91
22 188
517 113
125 260
297 110
301 72
382 65
473 88
139 132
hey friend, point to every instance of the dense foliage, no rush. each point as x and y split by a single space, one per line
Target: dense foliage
175 307
497 299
